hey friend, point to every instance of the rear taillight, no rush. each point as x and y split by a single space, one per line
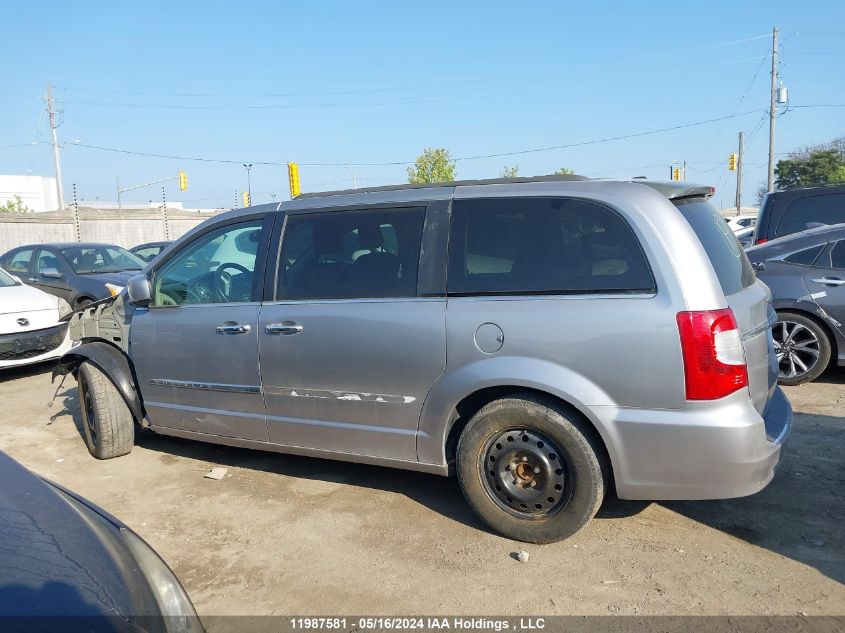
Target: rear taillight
714 362
762 240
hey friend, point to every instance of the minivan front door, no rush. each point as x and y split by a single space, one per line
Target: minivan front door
348 349
195 349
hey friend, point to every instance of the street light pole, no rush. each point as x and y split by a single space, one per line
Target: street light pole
248 166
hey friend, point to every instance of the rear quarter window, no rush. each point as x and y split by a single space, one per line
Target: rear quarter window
732 267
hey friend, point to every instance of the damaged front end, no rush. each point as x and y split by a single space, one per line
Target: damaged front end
106 320
100 333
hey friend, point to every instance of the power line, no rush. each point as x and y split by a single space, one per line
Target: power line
496 82
424 98
409 162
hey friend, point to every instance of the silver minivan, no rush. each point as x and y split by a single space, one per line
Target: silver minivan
544 339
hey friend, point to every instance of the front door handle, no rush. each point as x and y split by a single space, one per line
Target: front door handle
232 328
283 329
829 281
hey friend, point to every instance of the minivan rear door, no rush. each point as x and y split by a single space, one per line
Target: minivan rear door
748 298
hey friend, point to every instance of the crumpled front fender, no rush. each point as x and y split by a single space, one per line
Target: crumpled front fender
113 363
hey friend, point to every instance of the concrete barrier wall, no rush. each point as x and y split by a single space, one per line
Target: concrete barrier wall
113 226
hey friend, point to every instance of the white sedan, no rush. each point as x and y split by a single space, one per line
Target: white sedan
30 326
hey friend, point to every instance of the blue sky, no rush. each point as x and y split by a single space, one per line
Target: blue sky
376 82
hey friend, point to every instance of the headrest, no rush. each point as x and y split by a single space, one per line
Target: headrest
370 236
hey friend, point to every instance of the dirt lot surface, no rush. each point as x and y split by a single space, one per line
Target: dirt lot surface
292 535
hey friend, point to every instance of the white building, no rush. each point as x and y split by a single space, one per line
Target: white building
36 192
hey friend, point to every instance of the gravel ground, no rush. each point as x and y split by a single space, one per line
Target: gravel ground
292 535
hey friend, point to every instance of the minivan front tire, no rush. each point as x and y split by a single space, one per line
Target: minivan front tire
531 468
107 423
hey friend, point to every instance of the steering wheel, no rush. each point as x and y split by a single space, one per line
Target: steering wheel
223 279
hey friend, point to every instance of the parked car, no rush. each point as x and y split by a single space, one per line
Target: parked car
597 331
745 237
806 273
78 272
62 556
786 212
740 222
31 327
149 251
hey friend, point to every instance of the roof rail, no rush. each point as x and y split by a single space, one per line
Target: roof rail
452 183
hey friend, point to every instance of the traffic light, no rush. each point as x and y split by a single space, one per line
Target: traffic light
293 179
676 173
732 162
246 198
183 180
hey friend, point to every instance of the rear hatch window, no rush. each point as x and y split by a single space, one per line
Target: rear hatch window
732 267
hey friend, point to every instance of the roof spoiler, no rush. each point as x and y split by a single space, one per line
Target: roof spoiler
675 190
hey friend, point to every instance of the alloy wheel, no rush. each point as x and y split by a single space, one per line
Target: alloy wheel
797 349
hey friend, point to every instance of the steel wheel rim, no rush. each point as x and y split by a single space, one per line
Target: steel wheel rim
88 408
526 474
797 348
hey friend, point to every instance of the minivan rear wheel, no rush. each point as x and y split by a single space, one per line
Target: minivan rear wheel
802 347
530 469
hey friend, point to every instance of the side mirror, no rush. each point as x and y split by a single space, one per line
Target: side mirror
52 273
138 290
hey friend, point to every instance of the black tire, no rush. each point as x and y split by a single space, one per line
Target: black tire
565 443
106 420
83 302
808 345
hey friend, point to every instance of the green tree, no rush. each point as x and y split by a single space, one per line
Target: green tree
14 206
433 165
509 171
565 171
818 167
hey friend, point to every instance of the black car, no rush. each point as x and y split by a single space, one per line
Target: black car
786 212
62 556
806 273
78 272
149 250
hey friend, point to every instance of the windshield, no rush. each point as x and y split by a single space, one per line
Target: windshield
6 279
87 260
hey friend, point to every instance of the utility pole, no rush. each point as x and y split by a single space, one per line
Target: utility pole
51 111
739 172
770 183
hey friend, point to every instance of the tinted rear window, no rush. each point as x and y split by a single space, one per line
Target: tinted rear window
802 213
543 245
729 260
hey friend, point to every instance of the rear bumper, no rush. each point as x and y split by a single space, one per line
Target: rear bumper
708 450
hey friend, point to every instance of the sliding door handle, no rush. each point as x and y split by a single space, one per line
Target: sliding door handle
283 329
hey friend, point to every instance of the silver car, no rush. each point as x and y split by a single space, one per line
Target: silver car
544 339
